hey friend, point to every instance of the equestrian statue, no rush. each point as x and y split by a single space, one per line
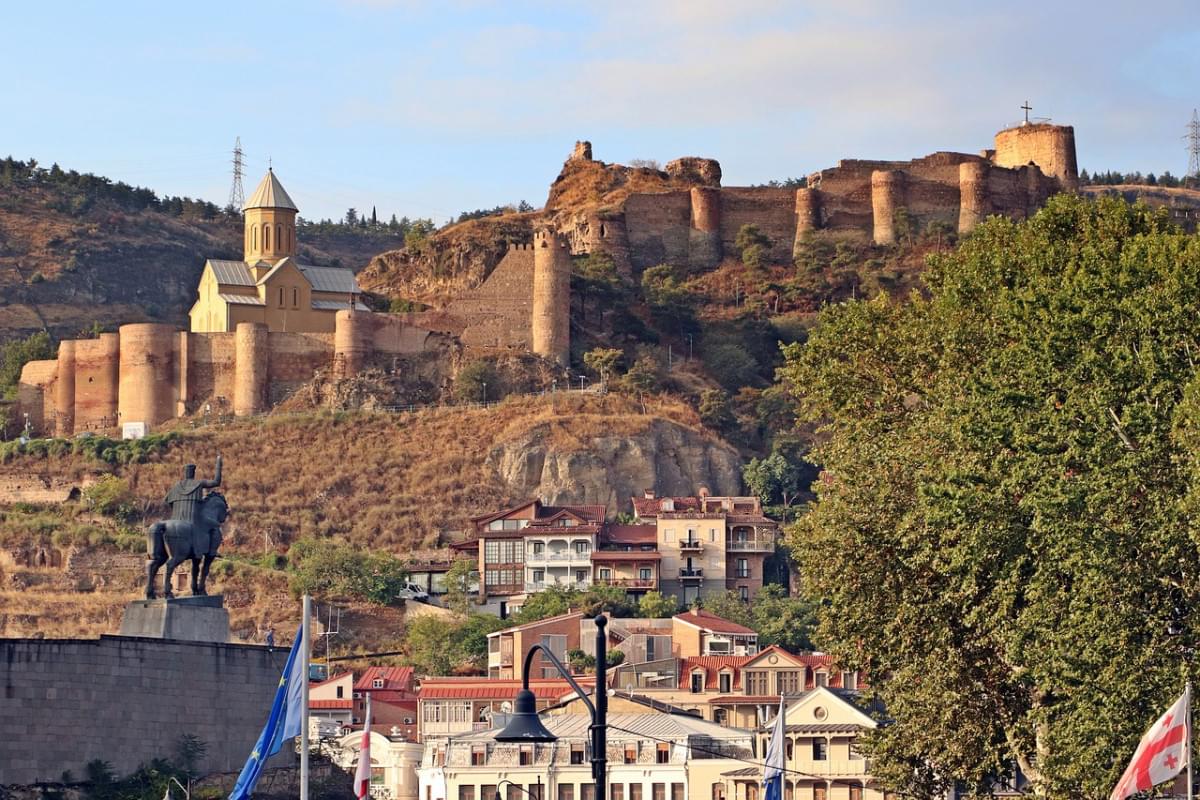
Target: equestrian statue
193 531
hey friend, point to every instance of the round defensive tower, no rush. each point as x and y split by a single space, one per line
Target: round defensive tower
551 322
109 377
146 392
974 204
351 342
64 390
251 346
808 216
887 195
1050 147
704 237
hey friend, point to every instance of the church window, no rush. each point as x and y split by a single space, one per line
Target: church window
254 237
279 236
295 297
292 238
266 237
281 297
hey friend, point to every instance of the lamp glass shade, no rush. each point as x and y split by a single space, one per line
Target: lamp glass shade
524 725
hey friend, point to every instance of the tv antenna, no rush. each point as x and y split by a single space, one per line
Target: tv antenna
237 197
1193 140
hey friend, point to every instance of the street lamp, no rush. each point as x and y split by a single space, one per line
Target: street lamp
520 788
526 727
187 795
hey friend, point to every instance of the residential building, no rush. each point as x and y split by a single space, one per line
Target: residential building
340 702
331 702
452 706
507 648
701 633
394 762
708 544
652 755
627 557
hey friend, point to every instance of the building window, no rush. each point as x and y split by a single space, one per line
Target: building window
849 680
466 793
377 683
279 236
539 576
820 748
577 753
635 791
340 692
645 574
756 682
712 534
605 574
535 791
788 748
662 753
697 682
616 791
676 791
254 238
514 793
788 790
752 791
743 568
526 757
266 237
820 792
487 791
295 297
744 593
631 753
788 681
566 791
478 759
587 791
721 716
583 547
855 791
658 791
718 791
539 548
725 682
822 679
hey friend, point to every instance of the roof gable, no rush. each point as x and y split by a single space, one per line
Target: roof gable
508 513
774 657
284 266
270 194
708 621
837 710
230 273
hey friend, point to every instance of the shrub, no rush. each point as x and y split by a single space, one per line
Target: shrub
731 364
332 569
477 382
715 410
111 496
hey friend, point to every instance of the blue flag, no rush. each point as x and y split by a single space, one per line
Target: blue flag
774 767
287 715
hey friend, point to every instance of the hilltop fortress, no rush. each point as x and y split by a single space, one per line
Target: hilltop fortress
264 326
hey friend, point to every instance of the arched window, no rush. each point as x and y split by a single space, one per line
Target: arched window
279 236
292 238
790 742
295 297
266 236
254 237
281 297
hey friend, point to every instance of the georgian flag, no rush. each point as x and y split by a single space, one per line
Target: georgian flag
1163 752
362 775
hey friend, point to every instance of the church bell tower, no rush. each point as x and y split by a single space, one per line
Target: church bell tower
270 225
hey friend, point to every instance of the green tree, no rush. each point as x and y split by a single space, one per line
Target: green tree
754 246
111 496
603 361
729 605
332 569
783 620
440 646
782 477
477 382
731 364
1006 519
611 599
16 354
655 605
462 575
643 376
716 411
549 602
594 277
663 290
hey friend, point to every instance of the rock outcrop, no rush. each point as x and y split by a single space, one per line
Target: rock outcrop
665 456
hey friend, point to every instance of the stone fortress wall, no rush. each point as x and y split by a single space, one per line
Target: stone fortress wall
126 700
859 198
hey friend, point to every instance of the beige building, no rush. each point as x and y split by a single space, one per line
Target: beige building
394 762
270 285
709 545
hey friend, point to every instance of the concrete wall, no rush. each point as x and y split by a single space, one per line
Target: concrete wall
127 700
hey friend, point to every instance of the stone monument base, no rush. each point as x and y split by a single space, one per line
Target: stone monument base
190 619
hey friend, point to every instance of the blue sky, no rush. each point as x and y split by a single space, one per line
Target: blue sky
427 109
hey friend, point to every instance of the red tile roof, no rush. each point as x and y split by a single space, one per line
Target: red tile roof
709 621
712 666
651 506
346 704
630 534
398 678
756 699
492 689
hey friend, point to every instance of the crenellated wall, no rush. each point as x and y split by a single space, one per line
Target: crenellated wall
152 373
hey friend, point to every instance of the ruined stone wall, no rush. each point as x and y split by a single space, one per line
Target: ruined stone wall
293 358
496 314
148 386
656 228
1051 147
35 394
212 360
772 210
67 702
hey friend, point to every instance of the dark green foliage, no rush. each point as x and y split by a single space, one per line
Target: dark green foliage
331 570
110 496
437 646
1006 520
16 354
654 605
99 448
716 411
773 615
644 376
477 382
730 364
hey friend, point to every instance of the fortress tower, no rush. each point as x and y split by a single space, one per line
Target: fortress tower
1050 147
270 225
551 323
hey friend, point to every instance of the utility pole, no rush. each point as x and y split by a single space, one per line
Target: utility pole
237 197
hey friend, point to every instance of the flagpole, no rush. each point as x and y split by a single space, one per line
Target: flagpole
304 655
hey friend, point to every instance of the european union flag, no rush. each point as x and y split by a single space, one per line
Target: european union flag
287 715
774 767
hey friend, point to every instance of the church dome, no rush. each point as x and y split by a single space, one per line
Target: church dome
270 194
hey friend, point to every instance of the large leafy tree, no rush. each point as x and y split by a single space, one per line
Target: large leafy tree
1005 532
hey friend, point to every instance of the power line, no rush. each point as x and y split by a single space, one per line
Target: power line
237 198
717 753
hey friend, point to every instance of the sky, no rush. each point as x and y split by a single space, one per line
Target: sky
432 108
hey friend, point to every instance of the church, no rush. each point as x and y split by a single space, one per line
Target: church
270 285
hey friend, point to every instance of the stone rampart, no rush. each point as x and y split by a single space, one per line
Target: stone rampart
128 700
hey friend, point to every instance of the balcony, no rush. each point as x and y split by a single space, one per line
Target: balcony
691 574
741 541
559 557
628 583
691 545
537 586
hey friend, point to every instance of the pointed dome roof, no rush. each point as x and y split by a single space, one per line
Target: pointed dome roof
270 194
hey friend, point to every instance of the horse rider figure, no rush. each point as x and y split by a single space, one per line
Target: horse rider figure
185 496
192 532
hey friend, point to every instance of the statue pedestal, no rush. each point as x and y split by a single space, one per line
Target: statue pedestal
191 619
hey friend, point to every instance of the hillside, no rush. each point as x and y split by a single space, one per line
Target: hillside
77 251
384 482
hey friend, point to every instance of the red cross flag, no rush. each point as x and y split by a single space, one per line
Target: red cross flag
1163 752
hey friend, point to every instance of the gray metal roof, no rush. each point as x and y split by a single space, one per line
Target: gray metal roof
330 279
627 727
830 727
242 299
236 273
337 305
270 194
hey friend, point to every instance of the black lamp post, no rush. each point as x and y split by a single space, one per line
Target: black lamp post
525 725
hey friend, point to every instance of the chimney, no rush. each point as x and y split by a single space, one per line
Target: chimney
649 494
703 492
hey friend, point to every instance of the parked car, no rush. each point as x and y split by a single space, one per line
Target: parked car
412 591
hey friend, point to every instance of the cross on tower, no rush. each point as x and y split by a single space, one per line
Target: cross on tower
1027 109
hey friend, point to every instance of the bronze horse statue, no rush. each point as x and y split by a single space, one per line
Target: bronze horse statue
174 541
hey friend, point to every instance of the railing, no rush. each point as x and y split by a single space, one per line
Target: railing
691 545
758 542
691 574
537 586
839 768
628 583
541 558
